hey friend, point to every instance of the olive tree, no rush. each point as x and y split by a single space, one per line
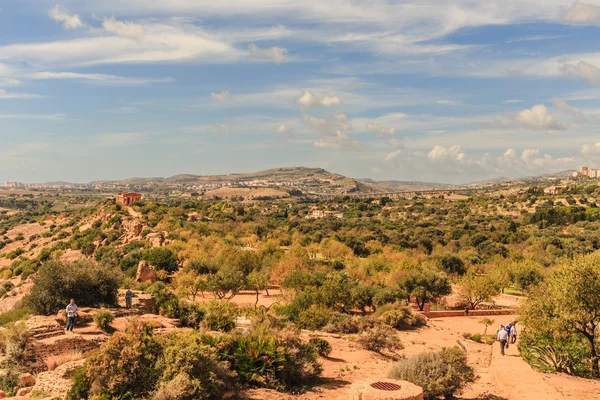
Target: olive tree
568 301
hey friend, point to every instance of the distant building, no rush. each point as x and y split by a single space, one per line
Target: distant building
316 214
13 185
589 172
128 198
554 190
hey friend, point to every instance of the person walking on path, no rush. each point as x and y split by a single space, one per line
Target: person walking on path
513 333
71 315
503 339
128 298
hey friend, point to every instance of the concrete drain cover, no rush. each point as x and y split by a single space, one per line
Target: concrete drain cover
385 386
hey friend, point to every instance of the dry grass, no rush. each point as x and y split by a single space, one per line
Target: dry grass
53 362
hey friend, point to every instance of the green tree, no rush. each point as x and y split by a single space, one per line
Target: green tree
477 289
89 283
161 258
568 302
425 285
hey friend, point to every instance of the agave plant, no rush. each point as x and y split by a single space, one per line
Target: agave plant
547 357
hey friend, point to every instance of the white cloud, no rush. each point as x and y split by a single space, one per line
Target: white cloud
380 131
564 106
12 95
176 41
120 139
538 117
582 13
9 82
513 101
123 28
393 156
284 130
277 54
223 128
105 79
45 117
334 131
591 149
582 70
395 142
442 154
68 20
307 99
449 102
221 96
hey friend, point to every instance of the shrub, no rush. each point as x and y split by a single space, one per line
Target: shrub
9 380
81 385
12 341
323 347
476 338
124 366
314 318
442 373
278 360
192 370
401 318
19 314
161 258
89 283
220 315
380 338
191 316
103 318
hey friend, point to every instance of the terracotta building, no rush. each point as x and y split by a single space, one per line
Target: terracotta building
128 198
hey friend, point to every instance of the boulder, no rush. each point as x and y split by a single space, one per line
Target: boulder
145 272
386 389
26 380
156 239
25 391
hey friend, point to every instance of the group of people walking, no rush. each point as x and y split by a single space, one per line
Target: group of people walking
72 309
505 335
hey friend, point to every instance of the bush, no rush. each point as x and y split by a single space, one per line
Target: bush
191 316
220 315
380 338
12 342
323 347
9 380
278 360
442 373
401 318
124 367
314 318
19 314
90 284
103 318
192 370
161 258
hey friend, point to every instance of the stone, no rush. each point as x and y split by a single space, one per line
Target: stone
25 391
26 380
386 389
145 272
155 239
2 394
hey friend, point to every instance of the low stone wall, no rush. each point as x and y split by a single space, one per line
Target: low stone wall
464 313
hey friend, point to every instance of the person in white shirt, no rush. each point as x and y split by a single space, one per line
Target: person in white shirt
503 339
513 333
71 315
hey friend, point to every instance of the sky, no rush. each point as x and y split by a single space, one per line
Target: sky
396 89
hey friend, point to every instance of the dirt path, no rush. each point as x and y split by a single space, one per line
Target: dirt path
517 379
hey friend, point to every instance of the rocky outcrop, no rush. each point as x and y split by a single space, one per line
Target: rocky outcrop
145 272
156 239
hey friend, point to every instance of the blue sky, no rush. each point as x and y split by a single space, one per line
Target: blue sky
397 89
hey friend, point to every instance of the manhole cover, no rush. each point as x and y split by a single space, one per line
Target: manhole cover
385 386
